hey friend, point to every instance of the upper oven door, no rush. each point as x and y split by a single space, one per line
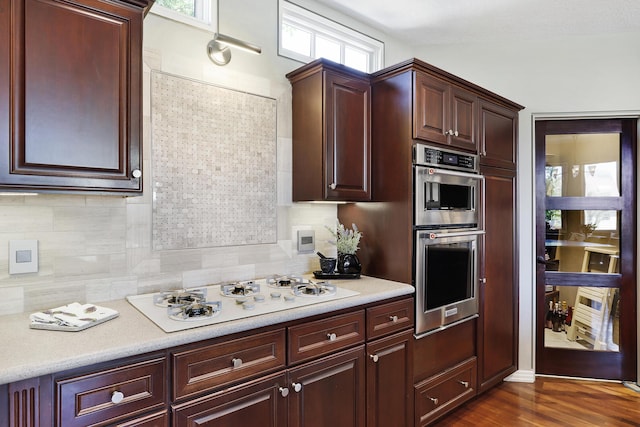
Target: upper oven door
446 199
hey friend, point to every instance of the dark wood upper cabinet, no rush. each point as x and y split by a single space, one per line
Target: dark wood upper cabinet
444 113
331 133
70 95
498 127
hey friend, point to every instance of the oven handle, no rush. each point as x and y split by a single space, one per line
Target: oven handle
435 171
434 234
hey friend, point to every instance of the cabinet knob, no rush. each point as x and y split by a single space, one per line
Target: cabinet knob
136 173
374 357
236 362
117 397
394 319
434 400
296 387
465 384
449 132
483 280
284 391
332 186
332 337
455 133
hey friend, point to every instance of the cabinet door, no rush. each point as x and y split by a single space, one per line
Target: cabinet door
498 135
463 119
431 108
329 391
390 381
251 404
498 324
27 403
348 138
71 91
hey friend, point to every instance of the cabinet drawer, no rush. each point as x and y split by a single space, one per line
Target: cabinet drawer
440 394
157 419
89 399
325 336
388 318
208 367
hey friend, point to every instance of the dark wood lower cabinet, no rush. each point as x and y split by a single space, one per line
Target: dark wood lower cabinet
498 322
157 419
390 381
28 404
442 393
329 391
256 403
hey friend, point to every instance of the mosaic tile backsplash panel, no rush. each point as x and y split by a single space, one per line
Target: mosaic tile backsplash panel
214 165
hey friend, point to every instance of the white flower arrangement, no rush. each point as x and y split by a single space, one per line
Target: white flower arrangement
346 240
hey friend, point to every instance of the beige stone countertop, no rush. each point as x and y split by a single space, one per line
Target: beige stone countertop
27 353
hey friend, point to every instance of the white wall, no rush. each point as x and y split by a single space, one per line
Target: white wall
575 76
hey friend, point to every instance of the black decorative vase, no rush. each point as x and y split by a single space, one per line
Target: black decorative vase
348 264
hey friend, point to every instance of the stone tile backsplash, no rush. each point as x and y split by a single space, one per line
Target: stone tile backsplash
214 165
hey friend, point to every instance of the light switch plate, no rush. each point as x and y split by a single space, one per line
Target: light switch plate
23 256
306 240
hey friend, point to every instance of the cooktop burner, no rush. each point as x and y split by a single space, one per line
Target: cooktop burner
195 311
179 298
240 289
314 289
284 281
188 308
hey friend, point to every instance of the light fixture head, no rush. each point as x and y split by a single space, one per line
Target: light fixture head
219 52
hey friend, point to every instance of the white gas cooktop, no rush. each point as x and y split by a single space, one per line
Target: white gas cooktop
268 300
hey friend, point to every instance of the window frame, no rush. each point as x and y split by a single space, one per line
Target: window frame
316 24
206 15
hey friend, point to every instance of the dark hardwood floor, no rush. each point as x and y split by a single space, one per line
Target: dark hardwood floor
551 402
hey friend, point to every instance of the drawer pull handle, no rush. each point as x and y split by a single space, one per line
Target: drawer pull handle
237 362
464 383
332 337
374 357
394 319
434 400
296 387
117 397
284 391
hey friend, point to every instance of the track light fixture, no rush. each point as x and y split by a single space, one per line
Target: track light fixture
218 48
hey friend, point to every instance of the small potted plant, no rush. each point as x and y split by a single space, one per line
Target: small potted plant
346 241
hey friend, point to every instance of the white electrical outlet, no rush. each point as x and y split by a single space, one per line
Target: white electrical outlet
23 256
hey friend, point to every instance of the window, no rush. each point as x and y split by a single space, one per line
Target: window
305 36
197 13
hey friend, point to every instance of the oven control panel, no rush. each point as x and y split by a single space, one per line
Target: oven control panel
446 159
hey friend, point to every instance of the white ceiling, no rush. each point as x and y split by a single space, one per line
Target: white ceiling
420 22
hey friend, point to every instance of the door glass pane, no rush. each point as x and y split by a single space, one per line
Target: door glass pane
582 318
582 165
582 241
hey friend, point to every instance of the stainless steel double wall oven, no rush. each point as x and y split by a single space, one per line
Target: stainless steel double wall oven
446 227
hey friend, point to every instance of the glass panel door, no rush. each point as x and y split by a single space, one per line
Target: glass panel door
585 196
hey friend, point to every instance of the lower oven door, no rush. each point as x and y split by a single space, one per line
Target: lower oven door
446 278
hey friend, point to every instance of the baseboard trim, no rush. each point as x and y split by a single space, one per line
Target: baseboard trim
522 376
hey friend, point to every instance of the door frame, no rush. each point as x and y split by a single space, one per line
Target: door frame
628 365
